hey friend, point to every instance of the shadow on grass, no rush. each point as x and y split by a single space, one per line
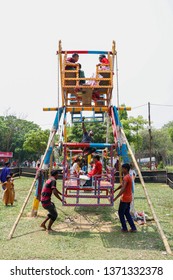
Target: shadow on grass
147 238
26 233
141 240
140 197
104 213
132 241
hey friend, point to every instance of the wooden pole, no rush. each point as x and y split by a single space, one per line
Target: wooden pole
164 239
32 186
60 66
107 128
149 130
51 163
118 102
120 170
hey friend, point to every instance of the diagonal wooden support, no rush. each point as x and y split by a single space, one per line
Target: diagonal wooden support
31 189
164 239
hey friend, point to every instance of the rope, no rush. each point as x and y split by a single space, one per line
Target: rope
162 105
139 106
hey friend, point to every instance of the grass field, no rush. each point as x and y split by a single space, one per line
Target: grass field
86 233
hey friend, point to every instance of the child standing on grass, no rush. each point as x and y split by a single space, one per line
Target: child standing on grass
8 197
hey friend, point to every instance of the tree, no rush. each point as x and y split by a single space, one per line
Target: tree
75 132
3 129
170 130
132 127
35 142
162 146
168 125
123 115
12 135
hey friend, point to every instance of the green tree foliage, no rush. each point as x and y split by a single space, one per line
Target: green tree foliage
169 127
12 135
161 145
36 141
132 127
75 132
3 129
170 130
123 115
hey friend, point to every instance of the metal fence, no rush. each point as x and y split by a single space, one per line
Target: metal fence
170 179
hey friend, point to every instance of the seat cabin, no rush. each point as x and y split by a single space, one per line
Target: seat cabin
76 190
89 91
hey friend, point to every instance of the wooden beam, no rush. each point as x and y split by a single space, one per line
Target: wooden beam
164 239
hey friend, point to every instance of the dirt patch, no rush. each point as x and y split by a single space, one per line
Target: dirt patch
84 223
92 222
28 215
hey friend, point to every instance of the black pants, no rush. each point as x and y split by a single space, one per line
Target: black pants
53 214
124 211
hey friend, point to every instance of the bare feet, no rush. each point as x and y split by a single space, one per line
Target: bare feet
51 231
43 226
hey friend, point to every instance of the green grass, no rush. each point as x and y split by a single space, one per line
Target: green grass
30 242
169 168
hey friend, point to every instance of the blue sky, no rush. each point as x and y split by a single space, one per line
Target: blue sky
29 39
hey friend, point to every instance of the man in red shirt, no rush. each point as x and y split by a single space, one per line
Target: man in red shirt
126 198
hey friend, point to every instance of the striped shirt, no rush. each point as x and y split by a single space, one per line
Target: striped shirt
46 193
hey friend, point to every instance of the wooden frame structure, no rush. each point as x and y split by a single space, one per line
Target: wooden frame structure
101 190
84 101
83 94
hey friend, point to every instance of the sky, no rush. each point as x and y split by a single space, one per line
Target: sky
30 31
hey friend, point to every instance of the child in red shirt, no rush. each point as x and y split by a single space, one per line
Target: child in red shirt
97 170
97 167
